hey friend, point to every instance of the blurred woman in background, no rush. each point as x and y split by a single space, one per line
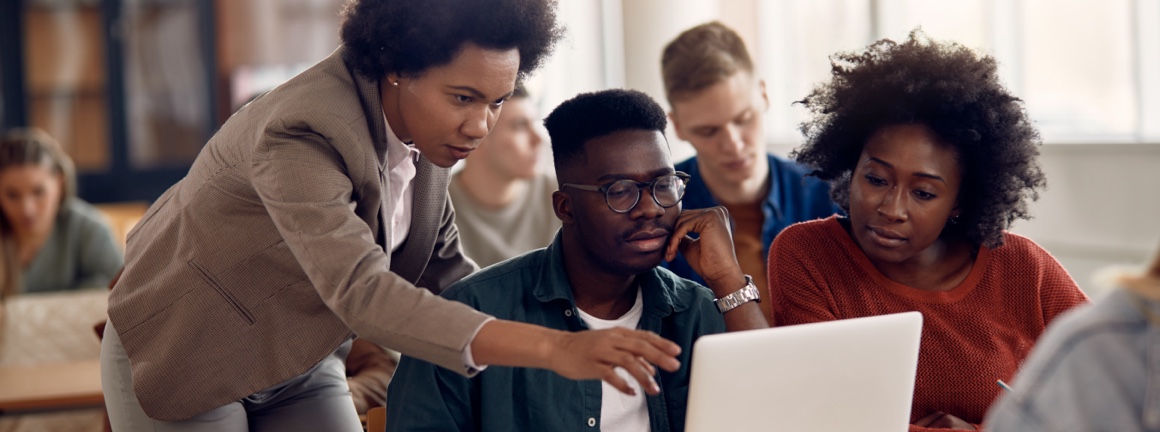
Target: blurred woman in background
49 239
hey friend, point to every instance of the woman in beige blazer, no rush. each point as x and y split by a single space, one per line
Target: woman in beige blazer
320 211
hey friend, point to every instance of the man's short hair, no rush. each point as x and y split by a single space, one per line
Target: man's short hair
701 57
596 114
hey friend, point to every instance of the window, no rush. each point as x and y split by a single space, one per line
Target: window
1089 72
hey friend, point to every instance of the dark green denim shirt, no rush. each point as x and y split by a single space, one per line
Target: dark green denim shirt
533 288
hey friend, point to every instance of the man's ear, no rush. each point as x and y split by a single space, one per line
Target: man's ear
562 206
677 126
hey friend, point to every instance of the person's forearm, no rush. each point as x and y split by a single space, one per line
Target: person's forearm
509 343
584 355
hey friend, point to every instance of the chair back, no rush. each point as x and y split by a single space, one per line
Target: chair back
377 419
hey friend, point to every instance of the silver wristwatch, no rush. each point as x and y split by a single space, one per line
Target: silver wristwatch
737 298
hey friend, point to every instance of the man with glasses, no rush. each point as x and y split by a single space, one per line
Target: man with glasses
619 202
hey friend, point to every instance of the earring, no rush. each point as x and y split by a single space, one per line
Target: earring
954 220
395 83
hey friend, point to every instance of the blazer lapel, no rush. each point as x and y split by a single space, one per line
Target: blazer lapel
368 93
430 186
430 192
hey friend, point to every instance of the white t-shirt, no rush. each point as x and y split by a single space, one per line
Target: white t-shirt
620 412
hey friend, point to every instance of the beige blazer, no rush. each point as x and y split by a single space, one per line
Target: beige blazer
270 253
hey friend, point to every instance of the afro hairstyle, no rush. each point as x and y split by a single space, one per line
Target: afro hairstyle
408 36
953 91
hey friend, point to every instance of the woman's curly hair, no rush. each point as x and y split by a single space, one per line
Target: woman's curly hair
953 91
409 36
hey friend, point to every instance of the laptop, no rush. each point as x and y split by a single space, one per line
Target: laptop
855 374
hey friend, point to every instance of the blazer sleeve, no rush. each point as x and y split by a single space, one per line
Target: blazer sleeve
307 191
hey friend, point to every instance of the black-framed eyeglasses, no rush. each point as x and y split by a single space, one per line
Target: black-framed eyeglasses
623 195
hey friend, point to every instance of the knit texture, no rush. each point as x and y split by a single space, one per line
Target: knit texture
972 335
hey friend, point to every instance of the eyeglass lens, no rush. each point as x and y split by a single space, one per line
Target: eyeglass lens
624 194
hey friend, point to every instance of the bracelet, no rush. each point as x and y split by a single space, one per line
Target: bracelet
737 298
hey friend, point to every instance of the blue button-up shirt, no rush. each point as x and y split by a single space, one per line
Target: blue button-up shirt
793 197
533 288
1097 368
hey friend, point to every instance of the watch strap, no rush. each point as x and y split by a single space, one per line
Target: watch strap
737 298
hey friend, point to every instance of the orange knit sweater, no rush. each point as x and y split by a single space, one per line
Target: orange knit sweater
972 335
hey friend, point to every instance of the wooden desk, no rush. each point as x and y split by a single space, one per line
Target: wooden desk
50 386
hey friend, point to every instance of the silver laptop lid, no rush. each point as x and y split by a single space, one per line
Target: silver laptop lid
855 374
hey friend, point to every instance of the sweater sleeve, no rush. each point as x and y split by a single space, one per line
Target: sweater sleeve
797 292
1058 292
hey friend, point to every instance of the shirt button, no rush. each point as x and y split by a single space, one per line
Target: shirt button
568 313
591 421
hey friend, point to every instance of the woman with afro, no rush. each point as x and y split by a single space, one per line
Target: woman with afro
319 211
932 159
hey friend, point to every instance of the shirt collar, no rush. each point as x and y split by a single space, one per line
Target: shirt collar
658 285
397 150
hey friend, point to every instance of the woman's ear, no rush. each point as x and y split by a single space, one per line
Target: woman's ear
562 205
953 219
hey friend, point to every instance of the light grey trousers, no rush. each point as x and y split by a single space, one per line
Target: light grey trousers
318 400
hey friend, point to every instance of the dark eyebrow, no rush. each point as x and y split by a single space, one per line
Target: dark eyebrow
920 174
652 175
478 94
930 176
473 92
874 159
